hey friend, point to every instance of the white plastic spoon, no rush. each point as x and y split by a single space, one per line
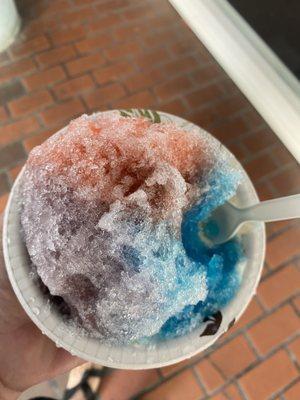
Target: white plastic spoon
224 222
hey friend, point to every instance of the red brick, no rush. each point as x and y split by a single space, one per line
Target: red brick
37 25
30 103
175 107
56 56
183 386
253 311
252 118
104 23
77 16
129 32
151 37
293 393
276 227
80 2
11 155
265 271
219 396
209 375
164 22
52 7
67 35
233 357
143 80
287 182
3 201
233 392
104 95
207 73
138 12
14 172
4 183
16 130
260 166
173 87
73 87
185 45
30 47
105 6
3 115
296 303
151 59
179 66
182 47
131 382
122 50
280 286
113 72
172 369
203 95
143 99
62 112
84 64
205 117
282 155
274 329
295 348
269 377
283 247
230 106
228 129
38 139
238 150
229 87
43 78
17 69
264 192
94 43
259 140
4 58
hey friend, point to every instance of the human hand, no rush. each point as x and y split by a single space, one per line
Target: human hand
27 356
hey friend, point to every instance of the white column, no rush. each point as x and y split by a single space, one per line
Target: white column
263 78
9 23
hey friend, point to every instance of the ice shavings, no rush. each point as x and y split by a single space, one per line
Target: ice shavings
110 208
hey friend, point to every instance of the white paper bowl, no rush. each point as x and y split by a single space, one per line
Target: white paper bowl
171 351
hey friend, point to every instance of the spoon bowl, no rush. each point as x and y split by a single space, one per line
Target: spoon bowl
221 225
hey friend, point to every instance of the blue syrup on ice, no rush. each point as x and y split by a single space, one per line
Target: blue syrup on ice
219 262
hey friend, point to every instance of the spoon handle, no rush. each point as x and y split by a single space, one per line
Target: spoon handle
273 210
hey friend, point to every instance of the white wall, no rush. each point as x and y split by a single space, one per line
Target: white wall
9 23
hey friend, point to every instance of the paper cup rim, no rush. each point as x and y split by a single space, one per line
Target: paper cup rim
173 350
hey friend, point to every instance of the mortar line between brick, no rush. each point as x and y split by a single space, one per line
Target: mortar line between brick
262 305
291 224
283 390
294 307
198 380
281 266
291 354
274 173
217 367
151 387
241 391
266 314
260 360
251 345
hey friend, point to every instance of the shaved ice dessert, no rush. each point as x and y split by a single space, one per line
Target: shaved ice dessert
110 214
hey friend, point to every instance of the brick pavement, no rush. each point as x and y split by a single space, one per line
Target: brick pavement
76 56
